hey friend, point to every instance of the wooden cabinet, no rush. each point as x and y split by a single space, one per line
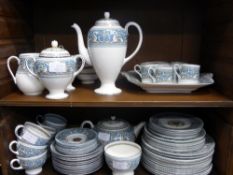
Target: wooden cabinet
191 31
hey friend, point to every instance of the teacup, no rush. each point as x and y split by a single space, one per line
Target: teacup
51 131
32 134
162 74
122 157
31 165
143 70
52 120
26 150
187 73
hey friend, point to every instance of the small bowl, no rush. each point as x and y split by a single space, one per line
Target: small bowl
122 157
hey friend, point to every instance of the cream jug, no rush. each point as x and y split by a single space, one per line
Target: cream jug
26 82
106 51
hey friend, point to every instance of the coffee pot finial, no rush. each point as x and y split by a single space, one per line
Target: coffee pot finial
106 15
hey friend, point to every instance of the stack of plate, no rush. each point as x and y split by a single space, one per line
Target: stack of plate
77 151
88 75
176 144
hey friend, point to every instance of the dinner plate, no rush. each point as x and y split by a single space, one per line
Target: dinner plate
208 148
206 79
164 138
175 124
155 171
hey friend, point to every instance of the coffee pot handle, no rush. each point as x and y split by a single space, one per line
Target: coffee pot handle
9 68
87 122
14 142
82 65
139 42
15 167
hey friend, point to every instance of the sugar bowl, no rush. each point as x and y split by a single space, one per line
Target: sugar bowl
56 69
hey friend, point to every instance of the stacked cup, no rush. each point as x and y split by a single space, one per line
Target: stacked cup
51 122
31 148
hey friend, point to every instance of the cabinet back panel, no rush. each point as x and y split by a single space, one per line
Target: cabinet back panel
172 30
218 44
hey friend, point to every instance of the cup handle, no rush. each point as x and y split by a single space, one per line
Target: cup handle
17 129
87 122
14 142
152 71
15 167
82 65
139 41
9 67
39 118
137 69
29 69
177 67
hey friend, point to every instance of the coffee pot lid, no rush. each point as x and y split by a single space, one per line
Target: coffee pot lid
107 21
113 124
54 51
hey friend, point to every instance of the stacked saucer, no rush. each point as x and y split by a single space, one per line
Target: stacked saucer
176 144
88 75
77 151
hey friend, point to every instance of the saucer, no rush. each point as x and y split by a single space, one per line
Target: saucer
76 137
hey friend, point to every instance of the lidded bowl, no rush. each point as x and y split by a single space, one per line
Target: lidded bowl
56 69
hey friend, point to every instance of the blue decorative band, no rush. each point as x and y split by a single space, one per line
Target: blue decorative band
105 37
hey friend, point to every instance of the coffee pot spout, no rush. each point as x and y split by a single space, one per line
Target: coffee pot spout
80 42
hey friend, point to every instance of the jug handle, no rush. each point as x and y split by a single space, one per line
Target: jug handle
28 68
82 65
139 42
9 67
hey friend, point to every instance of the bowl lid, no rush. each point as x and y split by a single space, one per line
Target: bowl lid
107 21
54 51
113 124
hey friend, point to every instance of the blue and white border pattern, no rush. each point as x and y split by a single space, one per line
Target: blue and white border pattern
107 37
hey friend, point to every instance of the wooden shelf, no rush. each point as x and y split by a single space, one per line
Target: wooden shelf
48 170
84 96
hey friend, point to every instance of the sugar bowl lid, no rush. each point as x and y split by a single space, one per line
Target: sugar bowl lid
113 124
107 21
54 51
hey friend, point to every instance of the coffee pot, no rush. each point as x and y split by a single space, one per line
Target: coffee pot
106 50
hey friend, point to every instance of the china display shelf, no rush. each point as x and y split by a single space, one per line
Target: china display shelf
131 96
